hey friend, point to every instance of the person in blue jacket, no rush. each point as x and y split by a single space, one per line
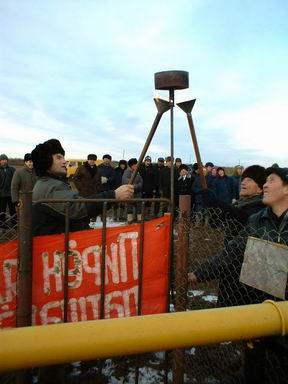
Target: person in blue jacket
223 186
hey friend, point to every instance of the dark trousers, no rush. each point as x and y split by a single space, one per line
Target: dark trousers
266 361
4 202
157 205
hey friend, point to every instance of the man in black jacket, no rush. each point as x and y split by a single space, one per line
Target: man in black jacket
49 218
148 175
106 172
6 175
87 178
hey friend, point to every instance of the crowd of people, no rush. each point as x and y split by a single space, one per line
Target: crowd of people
152 181
255 198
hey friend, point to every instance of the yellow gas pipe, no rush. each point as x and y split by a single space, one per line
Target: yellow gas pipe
60 343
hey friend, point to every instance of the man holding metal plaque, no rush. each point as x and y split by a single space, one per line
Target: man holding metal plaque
256 264
264 269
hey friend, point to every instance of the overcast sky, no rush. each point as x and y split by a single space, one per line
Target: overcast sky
83 71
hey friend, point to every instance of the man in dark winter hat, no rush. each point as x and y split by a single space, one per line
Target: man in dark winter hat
148 175
209 165
49 218
6 175
148 158
209 177
178 163
23 179
138 184
106 172
87 178
184 184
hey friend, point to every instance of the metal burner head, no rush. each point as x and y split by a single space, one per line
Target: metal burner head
162 105
187 106
171 80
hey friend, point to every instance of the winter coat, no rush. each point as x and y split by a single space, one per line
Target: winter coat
116 179
236 186
138 182
87 180
165 181
184 187
49 218
23 180
223 187
196 188
106 171
6 175
158 175
210 180
149 180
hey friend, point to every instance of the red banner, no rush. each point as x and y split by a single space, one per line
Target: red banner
122 268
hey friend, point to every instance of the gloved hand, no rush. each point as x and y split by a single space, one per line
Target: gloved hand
209 197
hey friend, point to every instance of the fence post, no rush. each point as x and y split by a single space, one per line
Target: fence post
24 275
24 278
181 279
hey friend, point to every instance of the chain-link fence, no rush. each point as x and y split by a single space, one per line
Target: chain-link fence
217 244
8 227
215 249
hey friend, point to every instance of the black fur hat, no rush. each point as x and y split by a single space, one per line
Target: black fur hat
42 155
92 156
256 173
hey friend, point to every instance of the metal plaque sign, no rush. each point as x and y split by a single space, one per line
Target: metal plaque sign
265 266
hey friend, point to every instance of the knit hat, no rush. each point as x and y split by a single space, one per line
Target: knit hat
178 160
91 156
209 164
107 156
256 173
27 157
161 159
281 172
42 155
3 157
147 158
